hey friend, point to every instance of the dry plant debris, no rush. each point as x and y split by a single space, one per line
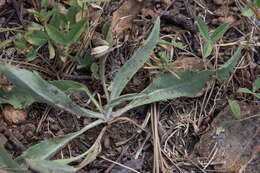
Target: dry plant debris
237 148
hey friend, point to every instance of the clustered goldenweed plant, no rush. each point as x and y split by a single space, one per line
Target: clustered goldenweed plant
30 87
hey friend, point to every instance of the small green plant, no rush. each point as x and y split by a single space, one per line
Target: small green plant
235 108
216 35
29 87
252 8
58 30
256 86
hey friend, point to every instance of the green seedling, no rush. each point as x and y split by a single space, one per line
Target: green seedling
252 8
56 29
84 61
29 87
210 39
236 108
256 86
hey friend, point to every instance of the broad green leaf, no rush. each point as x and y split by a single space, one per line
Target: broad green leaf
36 37
203 28
235 109
47 166
56 35
223 72
46 14
135 62
244 90
256 85
16 97
42 91
207 50
85 61
168 86
76 31
51 50
58 20
48 148
219 32
34 26
247 12
71 15
7 163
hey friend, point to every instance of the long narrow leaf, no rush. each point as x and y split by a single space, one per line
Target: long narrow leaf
168 86
42 91
136 62
223 72
6 162
207 50
48 148
46 166
76 31
203 28
219 32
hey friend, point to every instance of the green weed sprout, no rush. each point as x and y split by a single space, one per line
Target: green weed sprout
216 35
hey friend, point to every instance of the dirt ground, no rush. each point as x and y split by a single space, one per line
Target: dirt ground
181 122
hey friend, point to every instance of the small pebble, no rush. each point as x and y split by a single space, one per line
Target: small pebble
14 115
218 2
229 19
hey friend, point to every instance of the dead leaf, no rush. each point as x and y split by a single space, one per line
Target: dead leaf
190 63
99 51
123 17
14 115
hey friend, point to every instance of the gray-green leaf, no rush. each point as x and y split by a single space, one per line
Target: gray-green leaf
6 162
168 86
55 34
203 28
219 32
42 91
207 50
76 30
223 72
256 85
48 148
235 108
47 166
135 62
